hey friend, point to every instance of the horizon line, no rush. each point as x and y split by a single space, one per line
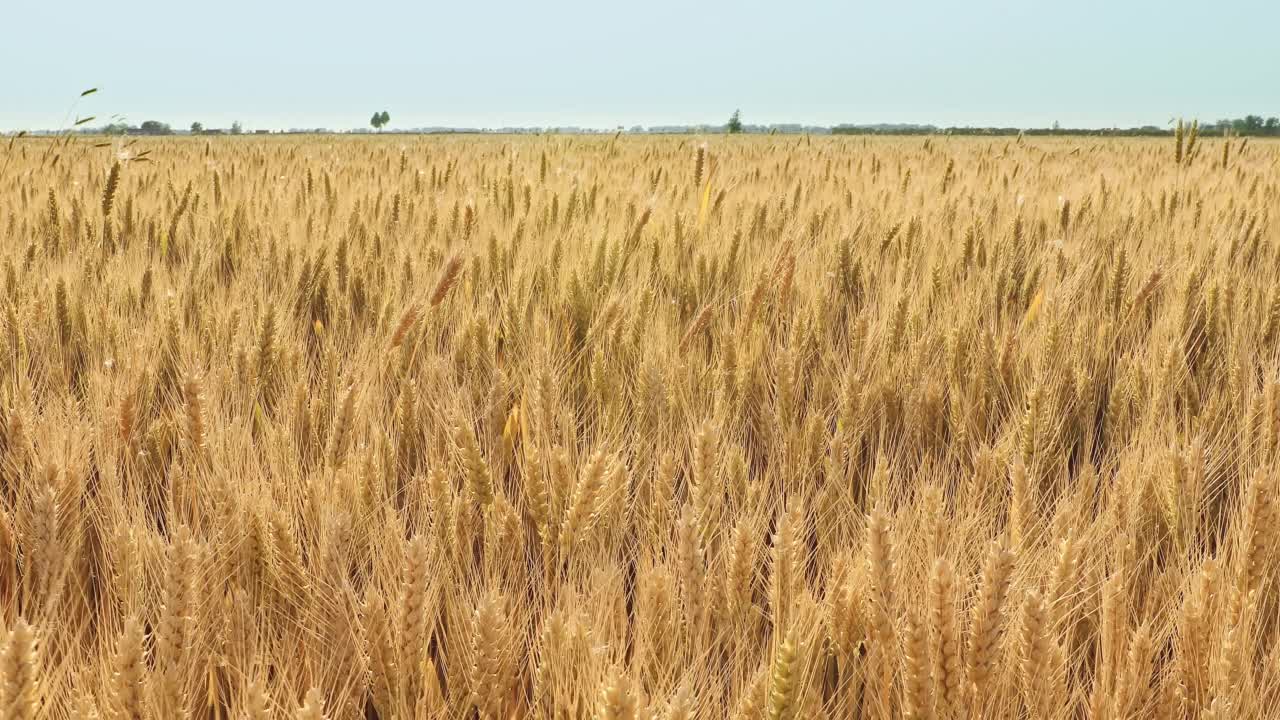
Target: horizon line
883 127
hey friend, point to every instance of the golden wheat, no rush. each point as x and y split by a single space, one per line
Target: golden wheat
569 427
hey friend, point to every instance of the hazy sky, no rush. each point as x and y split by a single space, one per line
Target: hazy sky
278 64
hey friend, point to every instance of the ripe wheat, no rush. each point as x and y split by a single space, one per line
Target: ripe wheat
569 427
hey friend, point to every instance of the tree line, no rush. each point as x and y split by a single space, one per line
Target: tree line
155 127
1249 125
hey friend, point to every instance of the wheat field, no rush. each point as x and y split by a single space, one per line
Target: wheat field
682 428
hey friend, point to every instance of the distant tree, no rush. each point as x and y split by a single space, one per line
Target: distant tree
1056 126
236 128
196 128
154 127
386 118
117 128
735 122
379 120
1249 125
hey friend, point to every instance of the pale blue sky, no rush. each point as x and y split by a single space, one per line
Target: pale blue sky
561 62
